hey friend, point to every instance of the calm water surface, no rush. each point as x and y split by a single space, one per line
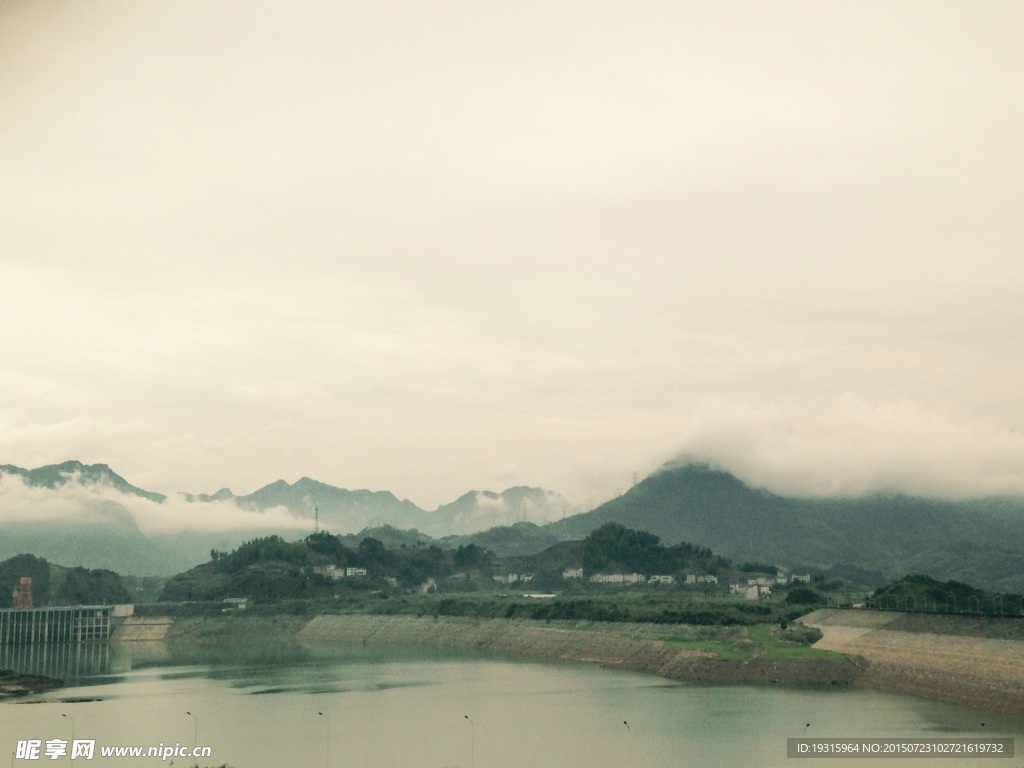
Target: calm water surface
259 708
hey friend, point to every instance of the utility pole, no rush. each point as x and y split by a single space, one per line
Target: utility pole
316 519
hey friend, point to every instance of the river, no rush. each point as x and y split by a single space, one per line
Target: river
279 707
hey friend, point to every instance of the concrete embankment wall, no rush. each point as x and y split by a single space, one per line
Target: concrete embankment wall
633 647
618 646
971 661
139 628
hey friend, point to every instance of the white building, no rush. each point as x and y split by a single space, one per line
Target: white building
355 571
572 573
618 578
662 580
328 571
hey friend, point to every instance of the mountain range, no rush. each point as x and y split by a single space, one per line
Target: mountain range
978 541
87 514
107 522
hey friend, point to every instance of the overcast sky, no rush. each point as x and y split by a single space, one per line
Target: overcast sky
428 247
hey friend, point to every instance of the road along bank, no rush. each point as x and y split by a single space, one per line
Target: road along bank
970 661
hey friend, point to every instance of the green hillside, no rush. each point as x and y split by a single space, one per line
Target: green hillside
981 542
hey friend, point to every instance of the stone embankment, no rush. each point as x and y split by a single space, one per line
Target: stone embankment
971 661
633 647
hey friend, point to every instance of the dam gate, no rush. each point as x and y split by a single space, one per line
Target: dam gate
73 624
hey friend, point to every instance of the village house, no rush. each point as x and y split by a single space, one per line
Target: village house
334 572
328 571
618 578
512 578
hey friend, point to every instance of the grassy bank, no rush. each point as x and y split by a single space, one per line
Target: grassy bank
763 641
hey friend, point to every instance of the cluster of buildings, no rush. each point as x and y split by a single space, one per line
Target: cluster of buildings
761 586
619 578
336 573
755 587
512 578
708 578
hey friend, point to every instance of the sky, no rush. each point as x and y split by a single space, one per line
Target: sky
433 247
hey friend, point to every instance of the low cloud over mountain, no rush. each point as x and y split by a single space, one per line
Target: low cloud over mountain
81 514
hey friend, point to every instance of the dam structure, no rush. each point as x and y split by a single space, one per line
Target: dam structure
59 624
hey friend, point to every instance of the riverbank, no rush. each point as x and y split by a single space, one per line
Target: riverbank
666 651
970 661
645 648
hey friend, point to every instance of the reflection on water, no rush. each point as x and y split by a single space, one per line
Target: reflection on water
71 662
270 706
89 663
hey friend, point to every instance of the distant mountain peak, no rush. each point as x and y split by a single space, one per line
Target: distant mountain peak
75 472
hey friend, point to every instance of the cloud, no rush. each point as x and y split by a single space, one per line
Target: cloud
98 504
309 241
530 508
849 445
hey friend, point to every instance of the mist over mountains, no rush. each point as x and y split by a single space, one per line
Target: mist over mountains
978 541
88 514
77 514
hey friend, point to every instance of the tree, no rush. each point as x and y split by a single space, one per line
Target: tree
92 587
471 556
615 546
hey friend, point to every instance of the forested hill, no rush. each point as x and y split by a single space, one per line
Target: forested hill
56 585
979 541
